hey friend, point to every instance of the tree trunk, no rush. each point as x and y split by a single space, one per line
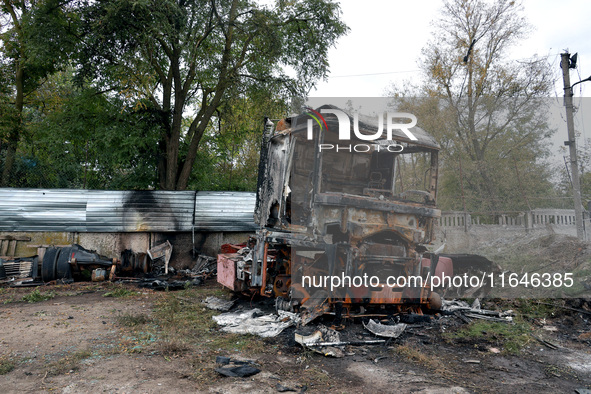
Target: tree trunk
15 133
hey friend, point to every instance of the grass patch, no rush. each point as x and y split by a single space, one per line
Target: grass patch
203 369
316 376
37 296
511 337
418 357
180 325
68 363
132 320
6 365
172 347
7 296
519 262
581 279
181 315
185 326
535 309
121 292
138 341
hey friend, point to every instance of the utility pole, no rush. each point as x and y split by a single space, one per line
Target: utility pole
572 144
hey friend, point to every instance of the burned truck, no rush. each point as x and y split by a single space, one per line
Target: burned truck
346 206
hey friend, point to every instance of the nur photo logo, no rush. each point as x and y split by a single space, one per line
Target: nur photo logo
392 122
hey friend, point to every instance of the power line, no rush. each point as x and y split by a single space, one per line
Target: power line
413 71
365 75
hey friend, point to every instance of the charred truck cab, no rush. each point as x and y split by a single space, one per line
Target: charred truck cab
343 224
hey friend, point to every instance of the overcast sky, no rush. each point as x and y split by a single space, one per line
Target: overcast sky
386 39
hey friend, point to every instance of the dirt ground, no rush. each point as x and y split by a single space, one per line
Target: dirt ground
121 339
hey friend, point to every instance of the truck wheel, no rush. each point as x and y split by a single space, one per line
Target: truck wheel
63 269
48 264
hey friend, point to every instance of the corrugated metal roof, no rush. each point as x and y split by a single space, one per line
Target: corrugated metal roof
124 211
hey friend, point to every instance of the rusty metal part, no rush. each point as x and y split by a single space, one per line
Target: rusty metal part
227 270
113 271
435 301
98 275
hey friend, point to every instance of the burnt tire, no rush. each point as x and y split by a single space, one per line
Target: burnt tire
48 264
63 269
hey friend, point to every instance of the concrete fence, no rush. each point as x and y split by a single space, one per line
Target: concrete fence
535 218
463 232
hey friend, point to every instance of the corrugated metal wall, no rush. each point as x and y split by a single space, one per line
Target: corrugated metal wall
133 211
125 211
224 211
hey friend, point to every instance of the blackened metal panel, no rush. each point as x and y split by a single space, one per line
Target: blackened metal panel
140 211
272 188
225 211
42 210
124 211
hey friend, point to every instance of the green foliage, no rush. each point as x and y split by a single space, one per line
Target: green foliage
120 292
512 337
37 296
8 113
79 138
155 82
228 158
6 365
33 47
190 59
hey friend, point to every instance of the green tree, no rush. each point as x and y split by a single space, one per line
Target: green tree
486 110
92 141
189 57
24 63
80 138
229 154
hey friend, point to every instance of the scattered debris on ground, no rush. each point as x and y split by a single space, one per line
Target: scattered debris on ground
467 312
255 322
217 304
235 368
73 263
170 338
383 330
